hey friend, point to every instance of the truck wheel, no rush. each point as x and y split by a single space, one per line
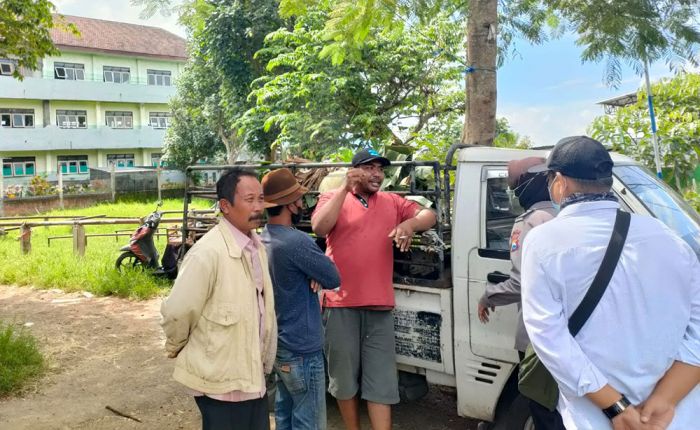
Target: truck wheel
515 417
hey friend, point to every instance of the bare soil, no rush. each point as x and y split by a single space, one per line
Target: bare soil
105 351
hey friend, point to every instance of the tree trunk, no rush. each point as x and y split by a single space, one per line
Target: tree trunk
482 51
231 145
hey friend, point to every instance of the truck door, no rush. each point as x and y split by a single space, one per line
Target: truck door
490 263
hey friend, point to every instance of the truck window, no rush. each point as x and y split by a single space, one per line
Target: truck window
501 211
662 202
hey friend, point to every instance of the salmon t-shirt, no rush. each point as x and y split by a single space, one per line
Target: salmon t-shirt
361 248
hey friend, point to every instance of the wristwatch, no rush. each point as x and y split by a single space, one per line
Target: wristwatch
617 408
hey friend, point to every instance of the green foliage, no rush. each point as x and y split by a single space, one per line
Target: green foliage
507 138
677 106
24 32
20 358
397 90
56 266
213 91
693 198
633 31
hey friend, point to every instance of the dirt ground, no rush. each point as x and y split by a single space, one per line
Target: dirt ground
105 351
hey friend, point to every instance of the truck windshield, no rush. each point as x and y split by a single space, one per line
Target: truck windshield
663 203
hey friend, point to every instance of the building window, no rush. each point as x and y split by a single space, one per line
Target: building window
71 118
118 75
73 164
159 119
69 71
17 118
115 119
18 166
156 159
120 161
159 77
7 67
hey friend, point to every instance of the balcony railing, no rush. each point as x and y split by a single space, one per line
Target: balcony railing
52 138
58 89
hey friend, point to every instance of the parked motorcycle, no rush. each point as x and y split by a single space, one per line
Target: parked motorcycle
141 251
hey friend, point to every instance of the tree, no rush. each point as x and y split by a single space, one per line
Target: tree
394 91
224 36
677 103
25 32
634 31
506 137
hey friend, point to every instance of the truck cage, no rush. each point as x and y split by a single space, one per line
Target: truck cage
426 263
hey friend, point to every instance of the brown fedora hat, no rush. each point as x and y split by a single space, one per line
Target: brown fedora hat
280 188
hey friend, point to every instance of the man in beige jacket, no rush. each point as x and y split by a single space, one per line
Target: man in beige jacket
219 319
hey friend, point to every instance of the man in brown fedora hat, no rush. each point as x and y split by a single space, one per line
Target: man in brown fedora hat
298 267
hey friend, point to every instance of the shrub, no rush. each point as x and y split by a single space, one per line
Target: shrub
20 358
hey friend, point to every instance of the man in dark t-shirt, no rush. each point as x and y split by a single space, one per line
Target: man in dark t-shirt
297 267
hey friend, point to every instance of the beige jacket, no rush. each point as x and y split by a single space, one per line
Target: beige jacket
211 318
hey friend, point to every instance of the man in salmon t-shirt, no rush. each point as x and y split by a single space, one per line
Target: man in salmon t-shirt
361 224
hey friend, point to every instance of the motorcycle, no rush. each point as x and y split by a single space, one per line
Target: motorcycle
141 251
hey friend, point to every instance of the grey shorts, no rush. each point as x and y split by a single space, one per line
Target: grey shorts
361 354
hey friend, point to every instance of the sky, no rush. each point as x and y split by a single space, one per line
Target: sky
545 92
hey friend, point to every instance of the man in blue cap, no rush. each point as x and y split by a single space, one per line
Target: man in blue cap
361 224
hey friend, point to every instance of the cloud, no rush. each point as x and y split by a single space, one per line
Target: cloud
117 10
570 83
546 124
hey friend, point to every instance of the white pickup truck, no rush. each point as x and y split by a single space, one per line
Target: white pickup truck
439 336
439 339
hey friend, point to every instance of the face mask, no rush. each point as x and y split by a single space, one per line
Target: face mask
296 217
557 206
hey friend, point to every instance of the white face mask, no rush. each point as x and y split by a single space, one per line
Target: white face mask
557 206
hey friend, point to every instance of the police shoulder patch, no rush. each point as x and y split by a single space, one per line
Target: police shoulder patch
515 241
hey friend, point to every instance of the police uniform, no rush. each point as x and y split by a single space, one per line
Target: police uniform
508 292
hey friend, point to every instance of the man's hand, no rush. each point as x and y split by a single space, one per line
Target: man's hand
484 312
402 235
353 178
629 419
657 413
315 286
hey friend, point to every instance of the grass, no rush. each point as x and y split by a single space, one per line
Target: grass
20 359
57 267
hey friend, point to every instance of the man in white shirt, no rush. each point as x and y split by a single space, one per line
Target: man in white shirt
635 364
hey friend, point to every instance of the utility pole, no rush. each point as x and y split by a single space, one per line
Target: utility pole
652 116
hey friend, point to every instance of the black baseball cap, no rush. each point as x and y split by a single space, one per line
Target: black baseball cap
367 155
578 157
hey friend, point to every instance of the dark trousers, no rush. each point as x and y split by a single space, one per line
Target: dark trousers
543 418
248 415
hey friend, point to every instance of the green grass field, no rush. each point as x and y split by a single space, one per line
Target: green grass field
57 267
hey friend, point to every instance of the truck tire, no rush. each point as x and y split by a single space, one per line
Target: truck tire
411 386
515 417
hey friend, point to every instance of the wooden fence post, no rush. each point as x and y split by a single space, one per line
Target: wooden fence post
113 183
79 240
60 189
25 239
